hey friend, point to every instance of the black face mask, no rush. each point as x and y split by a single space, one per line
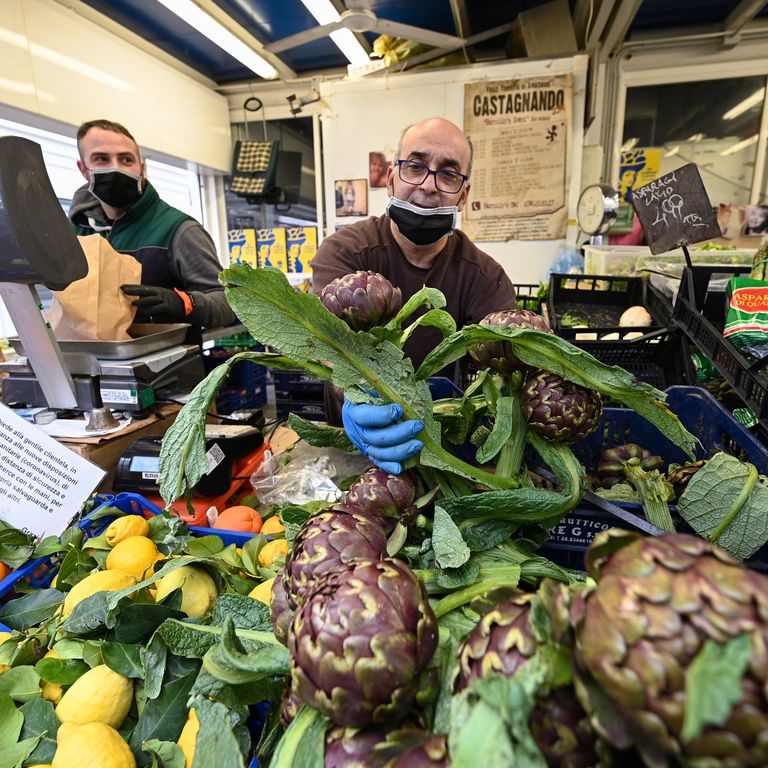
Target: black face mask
422 226
114 187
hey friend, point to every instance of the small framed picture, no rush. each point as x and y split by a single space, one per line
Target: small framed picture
756 220
378 165
351 197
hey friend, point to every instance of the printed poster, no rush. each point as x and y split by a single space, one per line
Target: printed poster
302 247
242 246
520 130
272 248
637 168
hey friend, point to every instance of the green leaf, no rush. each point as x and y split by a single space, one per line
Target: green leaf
725 502
163 717
92 653
194 640
11 721
245 612
229 661
164 754
20 683
303 743
61 671
450 549
713 684
123 658
547 351
31 609
16 547
40 721
435 318
69 649
321 435
153 660
15 755
138 621
424 297
216 741
455 578
75 566
205 545
502 429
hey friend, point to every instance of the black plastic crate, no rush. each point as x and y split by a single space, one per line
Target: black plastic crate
658 304
700 313
528 298
296 384
312 410
660 358
600 299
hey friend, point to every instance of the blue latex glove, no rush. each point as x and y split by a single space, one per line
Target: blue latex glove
378 433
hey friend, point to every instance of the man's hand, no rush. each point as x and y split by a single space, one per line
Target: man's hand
379 434
158 305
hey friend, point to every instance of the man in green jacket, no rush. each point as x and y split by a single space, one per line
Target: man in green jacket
179 267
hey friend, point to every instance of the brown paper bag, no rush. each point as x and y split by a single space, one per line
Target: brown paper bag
95 307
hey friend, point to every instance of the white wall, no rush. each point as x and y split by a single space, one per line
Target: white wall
57 64
365 115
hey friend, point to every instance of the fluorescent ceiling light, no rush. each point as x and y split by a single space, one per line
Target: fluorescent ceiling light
695 137
734 148
345 40
629 143
743 106
217 33
672 152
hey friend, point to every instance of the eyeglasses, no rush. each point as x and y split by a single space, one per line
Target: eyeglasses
413 172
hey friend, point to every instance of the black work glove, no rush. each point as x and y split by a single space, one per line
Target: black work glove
158 305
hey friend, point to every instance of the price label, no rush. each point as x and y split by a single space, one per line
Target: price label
675 210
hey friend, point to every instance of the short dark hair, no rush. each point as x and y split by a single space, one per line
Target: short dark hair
105 125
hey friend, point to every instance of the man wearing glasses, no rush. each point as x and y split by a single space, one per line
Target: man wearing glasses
415 244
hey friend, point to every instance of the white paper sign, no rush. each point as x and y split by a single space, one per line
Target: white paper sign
42 482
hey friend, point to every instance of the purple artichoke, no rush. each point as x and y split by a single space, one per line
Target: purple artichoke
360 642
381 497
380 747
289 707
658 600
353 747
280 609
362 299
559 410
610 466
499 356
681 476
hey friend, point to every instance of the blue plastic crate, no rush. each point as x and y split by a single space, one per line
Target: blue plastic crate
40 571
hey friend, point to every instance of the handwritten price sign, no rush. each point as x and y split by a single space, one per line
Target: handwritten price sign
675 210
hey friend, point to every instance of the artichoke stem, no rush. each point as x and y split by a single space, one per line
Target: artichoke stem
463 596
654 491
511 455
749 484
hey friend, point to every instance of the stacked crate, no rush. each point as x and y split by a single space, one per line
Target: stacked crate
245 388
296 392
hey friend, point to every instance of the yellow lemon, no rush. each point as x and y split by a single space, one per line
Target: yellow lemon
123 527
188 738
263 591
51 691
198 589
272 525
94 745
135 555
101 581
3 637
271 550
99 696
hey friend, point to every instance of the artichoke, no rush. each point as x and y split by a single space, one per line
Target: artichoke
362 299
610 466
381 497
680 476
353 747
559 410
657 601
280 609
360 641
326 541
377 747
499 355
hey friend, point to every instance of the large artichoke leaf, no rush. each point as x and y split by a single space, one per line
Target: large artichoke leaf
182 458
547 351
726 503
321 435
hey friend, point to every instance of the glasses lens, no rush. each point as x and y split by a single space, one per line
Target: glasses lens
412 172
447 181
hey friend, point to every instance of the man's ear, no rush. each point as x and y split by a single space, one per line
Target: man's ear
83 169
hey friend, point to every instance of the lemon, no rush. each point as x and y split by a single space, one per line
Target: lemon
101 581
3 637
263 591
188 738
271 550
94 745
123 527
272 525
99 696
51 691
198 589
135 555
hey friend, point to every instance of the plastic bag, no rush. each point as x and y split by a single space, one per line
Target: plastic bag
294 483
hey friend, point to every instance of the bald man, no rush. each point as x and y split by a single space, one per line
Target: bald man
416 242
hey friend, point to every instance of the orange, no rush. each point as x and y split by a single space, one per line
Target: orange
5 570
239 518
272 525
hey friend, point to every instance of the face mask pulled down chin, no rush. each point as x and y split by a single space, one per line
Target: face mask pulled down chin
422 226
115 187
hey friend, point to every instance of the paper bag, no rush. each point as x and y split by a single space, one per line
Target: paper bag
95 308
